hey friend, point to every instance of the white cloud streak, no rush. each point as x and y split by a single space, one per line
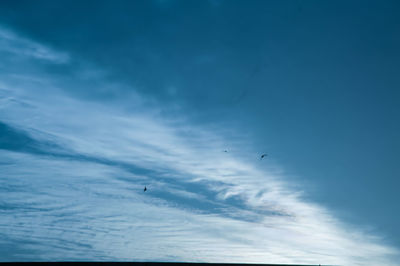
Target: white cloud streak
17 45
75 208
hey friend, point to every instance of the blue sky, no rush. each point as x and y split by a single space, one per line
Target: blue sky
100 99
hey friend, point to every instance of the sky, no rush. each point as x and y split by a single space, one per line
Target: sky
99 99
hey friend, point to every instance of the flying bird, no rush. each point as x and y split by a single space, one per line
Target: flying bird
225 151
262 156
144 189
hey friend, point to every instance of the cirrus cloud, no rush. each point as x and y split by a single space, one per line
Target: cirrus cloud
74 179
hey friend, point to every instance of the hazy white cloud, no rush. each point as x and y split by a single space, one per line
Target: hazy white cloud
10 42
84 199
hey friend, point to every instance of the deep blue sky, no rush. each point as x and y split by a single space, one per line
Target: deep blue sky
315 84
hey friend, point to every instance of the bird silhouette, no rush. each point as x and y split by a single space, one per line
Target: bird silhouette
144 189
262 156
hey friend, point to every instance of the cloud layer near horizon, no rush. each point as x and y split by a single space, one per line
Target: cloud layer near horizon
74 167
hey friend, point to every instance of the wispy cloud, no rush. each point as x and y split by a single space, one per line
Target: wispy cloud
78 193
17 45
